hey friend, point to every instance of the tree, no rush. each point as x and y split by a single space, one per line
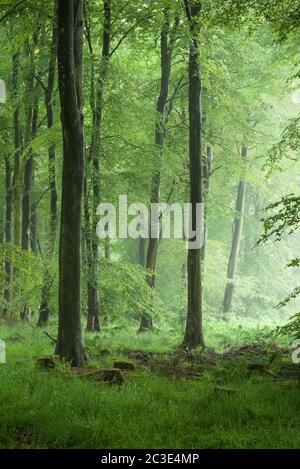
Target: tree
97 92
44 311
193 333
70 345
237 230
206 172
31 112
167 39
8 234
18 172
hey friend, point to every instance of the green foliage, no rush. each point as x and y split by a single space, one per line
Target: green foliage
292 328
27 270
286 220
288 146
124 291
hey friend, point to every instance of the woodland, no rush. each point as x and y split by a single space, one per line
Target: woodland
141 342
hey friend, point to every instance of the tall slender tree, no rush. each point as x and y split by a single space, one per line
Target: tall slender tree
17 177
8 234
44 312
30 126
237 230
207 169
70 344
193 333
97 95
27 157
167 38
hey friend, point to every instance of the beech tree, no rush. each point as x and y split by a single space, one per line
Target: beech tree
193 334
70 345
167 40
44 311
237 230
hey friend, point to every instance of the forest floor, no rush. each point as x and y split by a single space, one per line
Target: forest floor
140 391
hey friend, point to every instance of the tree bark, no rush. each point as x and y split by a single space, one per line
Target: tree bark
93 322
26 163
8 235
207 168
194 334
34 242
28 180
70 346
142 251
107 249
236 241
44 312
17 178
161 108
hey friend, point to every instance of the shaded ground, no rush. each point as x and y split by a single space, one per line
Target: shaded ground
262 357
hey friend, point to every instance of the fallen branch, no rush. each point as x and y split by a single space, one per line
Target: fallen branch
50 337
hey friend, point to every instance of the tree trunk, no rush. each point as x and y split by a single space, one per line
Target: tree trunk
70 345
26 163
8 236
146 323
44 311
194 334
107 249
34 242
142 251
236 241
93 322
17 178
33 228
28 180
207 167
161 108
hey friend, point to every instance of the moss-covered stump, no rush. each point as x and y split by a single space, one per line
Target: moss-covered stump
123 365
108 376
291 371
47 362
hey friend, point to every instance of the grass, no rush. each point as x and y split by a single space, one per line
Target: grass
45 409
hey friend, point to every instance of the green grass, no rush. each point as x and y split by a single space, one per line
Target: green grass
44 409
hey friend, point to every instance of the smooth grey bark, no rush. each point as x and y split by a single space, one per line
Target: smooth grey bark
107 249
142 251
28 181
27 162
93 322
207 169
44 311
34 241
162 112
194 333
17 177
8 235
236 241
94 308
70 346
